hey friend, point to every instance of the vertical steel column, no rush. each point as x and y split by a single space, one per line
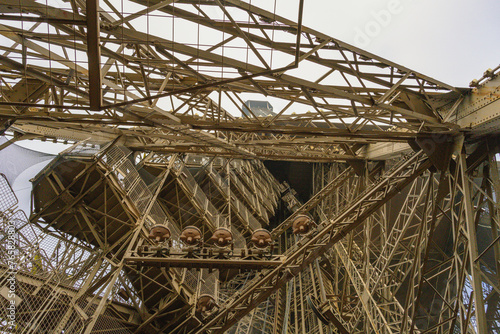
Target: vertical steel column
493 191
94 54
473 250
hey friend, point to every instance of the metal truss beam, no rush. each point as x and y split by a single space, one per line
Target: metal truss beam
378 92
328 234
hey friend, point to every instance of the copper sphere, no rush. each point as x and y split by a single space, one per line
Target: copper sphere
302 224
159 233
222 237
205 303
190 235
261 238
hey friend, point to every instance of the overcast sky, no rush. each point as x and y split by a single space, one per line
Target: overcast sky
453 41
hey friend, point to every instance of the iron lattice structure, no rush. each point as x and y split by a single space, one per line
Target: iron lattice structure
163 217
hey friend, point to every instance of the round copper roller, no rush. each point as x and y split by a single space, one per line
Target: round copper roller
222 237
261 238
159 233
190 235
302 224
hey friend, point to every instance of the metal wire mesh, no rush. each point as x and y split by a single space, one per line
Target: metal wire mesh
204 206
49 272
238 238
240 210
191 278
7 197
66 304
117 160
209 283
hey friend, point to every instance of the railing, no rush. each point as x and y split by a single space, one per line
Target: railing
117 160
248 174
196 195
250 222
249 197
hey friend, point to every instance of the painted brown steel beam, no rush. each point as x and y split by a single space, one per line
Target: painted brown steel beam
296 49
219 263
42 19
223 26
254 74
261 12
94 54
